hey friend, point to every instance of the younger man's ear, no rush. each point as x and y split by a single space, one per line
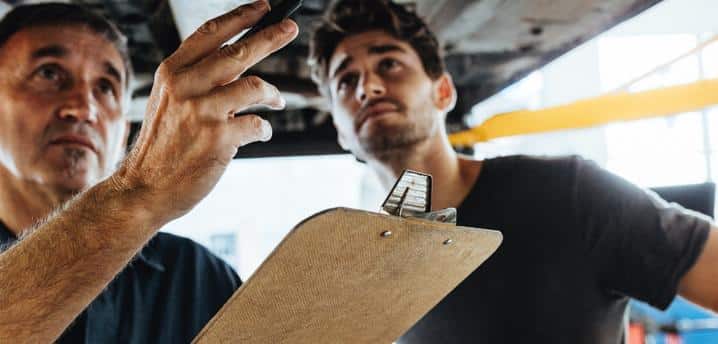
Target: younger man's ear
444 95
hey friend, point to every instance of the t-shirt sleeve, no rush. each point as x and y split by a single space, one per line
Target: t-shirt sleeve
639 245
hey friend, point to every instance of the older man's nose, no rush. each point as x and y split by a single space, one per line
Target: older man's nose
80 107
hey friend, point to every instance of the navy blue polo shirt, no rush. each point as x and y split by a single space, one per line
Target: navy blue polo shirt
165 295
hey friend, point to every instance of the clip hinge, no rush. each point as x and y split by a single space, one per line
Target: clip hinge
411 197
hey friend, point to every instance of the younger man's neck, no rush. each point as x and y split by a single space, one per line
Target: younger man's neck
452 175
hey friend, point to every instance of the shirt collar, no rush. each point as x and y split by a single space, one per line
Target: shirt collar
149 254
6 237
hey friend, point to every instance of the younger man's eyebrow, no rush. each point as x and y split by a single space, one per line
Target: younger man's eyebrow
373 50
342 66
385 48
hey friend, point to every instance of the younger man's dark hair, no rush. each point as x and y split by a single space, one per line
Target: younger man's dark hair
26 16
350 17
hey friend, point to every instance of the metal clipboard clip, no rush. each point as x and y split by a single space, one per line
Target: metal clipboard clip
411 198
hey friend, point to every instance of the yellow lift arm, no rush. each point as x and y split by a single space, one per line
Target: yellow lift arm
594 112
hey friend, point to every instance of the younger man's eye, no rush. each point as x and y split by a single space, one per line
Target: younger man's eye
388 64
347 81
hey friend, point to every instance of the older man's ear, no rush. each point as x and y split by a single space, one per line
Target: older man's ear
126 138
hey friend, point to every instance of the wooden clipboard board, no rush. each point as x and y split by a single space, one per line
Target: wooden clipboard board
340 277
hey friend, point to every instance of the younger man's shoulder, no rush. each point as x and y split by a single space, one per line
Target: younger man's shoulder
537 165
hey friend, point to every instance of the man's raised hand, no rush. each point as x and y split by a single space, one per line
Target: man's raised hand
190 132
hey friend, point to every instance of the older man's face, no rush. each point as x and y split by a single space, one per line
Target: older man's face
61 106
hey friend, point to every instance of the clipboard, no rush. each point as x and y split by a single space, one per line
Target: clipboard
350 276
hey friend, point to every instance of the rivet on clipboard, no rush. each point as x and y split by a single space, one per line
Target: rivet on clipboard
411 197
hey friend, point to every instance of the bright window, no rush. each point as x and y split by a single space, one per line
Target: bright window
258 201
662 151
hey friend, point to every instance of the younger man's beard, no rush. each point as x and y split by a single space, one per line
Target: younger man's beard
392 143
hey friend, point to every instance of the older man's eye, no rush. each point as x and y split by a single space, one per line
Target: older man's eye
50 72
106 87
49 77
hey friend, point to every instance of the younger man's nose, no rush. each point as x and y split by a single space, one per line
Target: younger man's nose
370 87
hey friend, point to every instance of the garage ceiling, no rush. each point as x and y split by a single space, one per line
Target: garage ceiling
490 44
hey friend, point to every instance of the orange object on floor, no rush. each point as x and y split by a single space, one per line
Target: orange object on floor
673 338
636 334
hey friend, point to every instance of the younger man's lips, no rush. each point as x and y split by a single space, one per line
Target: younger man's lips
375 110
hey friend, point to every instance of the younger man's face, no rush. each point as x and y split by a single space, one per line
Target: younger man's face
61 106
382 100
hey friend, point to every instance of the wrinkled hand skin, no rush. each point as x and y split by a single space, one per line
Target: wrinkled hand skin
188 137
190 133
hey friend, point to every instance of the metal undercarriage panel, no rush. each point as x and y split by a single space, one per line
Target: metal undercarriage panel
489 43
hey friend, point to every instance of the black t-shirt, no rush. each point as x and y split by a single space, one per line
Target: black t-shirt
165 295
578 241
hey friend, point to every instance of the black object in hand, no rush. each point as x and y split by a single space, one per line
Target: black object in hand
279 12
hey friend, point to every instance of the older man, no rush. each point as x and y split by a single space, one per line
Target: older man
578 241
72 220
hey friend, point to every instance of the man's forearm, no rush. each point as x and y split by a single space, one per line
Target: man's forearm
188 138
52 274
